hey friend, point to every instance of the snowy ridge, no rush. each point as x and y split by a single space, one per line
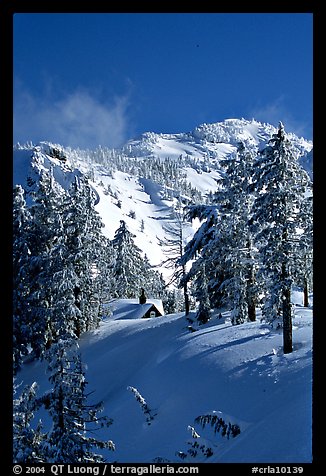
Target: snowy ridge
122 192
213 141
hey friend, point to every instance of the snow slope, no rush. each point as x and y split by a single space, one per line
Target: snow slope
236 372
128 193
141 202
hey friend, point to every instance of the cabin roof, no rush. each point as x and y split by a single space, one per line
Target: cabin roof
131 309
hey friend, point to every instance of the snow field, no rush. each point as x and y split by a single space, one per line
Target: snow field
240 371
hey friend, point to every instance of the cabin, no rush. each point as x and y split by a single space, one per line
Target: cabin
141 308
132 309
151 309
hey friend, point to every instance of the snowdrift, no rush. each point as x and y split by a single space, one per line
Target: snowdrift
236 377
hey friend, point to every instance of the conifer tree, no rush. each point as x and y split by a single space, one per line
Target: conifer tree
58 258
304 253
86 253
28 443
73 418
128 273
103 272
44 239
201 251
152 280
173 300
280 184
20 254
236 199
223 244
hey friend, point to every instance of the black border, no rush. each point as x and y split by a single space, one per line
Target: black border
7 10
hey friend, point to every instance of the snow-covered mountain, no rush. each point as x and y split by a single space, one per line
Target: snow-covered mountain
236 379
141 182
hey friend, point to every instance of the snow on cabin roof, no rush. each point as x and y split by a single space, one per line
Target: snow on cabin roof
131 309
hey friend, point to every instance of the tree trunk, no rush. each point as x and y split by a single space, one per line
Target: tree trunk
251 311
250 296
305 293
286 298
60 401
77 328
287 314
185 290
186 297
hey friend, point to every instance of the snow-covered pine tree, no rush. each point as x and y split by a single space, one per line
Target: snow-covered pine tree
219 424
224 241
129 272
64 315
27 441
20 254
173 300
44 238
236 202
280 184
200 251
304 253
86 250
148 412
103 273
223 246
58 283
73 418
152 281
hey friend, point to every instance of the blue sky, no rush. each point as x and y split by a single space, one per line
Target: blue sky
89 79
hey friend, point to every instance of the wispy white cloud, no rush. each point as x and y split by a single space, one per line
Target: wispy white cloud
78 119
275 112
